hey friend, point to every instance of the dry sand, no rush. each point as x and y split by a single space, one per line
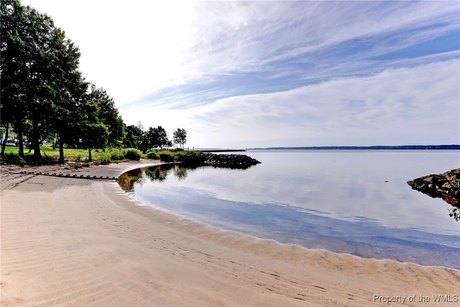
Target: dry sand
74 242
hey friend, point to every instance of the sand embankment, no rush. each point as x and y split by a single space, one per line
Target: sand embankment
78 242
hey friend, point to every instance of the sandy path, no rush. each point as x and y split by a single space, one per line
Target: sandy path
77 242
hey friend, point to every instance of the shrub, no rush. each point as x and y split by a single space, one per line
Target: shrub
152 155
187 157
20 161
190 157
105 158
12 158
455 187
117 154
167 156
133 154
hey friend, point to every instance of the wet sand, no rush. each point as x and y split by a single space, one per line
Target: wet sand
77 242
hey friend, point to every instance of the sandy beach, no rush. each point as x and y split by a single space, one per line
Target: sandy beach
77 242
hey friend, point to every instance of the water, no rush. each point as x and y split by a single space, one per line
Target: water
354 202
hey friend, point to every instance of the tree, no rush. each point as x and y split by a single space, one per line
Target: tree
42 92
180 137
69 90
154 138
108 115
27 80
133 137
39 81
94 134
13 68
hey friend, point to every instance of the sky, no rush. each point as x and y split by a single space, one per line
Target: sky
275 73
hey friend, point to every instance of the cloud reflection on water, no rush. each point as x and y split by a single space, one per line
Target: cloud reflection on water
356 202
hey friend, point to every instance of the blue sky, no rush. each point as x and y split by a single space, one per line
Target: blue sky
267 73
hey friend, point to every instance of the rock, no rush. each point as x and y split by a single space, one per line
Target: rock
218 160
445 186
229 160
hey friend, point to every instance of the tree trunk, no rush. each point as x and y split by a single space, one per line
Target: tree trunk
36 142
21 143
54 141
36 148
90 158
61 151
5 139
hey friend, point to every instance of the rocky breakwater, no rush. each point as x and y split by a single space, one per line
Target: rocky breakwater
445 186
229 160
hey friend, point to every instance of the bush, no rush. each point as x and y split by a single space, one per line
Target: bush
20 161
455 188
133 154
187 157
117 154
105 158
167 156
12 158
190 157
152 155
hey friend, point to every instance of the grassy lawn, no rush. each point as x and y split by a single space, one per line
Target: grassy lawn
74 154
48 151
51 155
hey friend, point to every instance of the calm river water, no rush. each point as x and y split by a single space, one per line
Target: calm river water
354 202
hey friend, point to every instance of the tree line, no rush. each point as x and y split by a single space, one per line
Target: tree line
153 137
44 95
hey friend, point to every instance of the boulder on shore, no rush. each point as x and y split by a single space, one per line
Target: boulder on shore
445 186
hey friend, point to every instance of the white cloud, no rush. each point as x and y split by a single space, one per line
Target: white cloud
416 105
138 48
134 49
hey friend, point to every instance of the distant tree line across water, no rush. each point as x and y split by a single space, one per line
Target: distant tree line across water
377 147
44 96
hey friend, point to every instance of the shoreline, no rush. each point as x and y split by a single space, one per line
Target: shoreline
106 248
287 245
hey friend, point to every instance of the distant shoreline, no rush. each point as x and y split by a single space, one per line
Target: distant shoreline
376 147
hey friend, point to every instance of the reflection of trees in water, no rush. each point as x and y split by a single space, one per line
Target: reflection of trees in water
158 173
180 172
128 179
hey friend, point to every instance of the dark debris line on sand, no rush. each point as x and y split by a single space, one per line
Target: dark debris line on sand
75 176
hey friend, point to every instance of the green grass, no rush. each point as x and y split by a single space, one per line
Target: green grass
74 154
51 155
189 157
48 151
